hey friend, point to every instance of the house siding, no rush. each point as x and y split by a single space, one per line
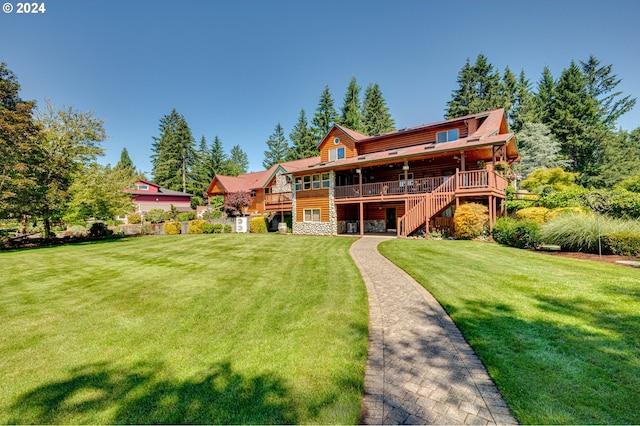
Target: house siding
345 141
315 199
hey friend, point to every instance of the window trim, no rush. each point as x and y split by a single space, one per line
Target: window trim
315 181
448 135
336 153
306 182
312 215
298 183
325 183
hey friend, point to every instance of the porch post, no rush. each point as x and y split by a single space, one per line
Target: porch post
463 161
361 219
359 171
491 212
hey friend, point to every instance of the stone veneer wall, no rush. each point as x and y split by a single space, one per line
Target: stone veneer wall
317 228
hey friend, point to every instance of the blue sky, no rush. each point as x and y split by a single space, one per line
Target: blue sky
237 68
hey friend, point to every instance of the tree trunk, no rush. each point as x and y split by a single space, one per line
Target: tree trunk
47 228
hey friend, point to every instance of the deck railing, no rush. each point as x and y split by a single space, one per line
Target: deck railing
396 187
278 198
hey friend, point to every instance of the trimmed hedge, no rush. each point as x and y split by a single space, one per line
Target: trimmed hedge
258 225
212 228
155 216
196 226
470 220
524 234
172 228
623 243
227 229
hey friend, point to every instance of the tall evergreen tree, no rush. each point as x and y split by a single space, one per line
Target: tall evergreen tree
545 97
620 158
478 89
277 148
325 116
351 116
508 92
525 107
237 163
125 162
174 153
574 120
376 118
601 84
304 143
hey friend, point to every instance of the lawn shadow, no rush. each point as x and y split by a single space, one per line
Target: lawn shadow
141 394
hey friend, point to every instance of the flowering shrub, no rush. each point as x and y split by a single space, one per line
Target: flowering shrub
258 225
172 228
470 220
196 226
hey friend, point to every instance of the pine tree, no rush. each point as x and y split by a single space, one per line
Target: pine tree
507 92
351 109
574 120
478 89
545 97
325 116
302 137
277 148
376 118
620 158
525 107
125 162
600 84
174 153
237 163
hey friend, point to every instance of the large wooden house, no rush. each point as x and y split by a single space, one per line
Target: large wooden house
404 181
270 190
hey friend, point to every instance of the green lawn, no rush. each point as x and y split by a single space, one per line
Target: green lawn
187 329
560 337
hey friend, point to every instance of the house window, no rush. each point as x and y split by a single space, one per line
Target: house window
306 183
298 184
336 141
312 215
336 153
447 136
326 183
253 193
140 187
315 182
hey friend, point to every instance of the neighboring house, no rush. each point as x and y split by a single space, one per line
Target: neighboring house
148 195
405 180
270 190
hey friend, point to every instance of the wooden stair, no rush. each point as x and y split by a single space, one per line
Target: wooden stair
422 207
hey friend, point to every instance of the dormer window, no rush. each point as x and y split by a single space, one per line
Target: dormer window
447 136
139 187
336 153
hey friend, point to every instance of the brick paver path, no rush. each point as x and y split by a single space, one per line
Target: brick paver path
420 370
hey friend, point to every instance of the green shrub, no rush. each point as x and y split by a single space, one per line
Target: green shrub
99 229
196 226
568 210
470 220
623 243
572 197
579 232
134 218
172 228
4 241
258 225
537 214
502 232
227 229
631 184
186 216
214 214
515 205
155 216
207 228
556 179
77 230
523 234
624 204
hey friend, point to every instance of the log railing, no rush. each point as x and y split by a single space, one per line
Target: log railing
278 198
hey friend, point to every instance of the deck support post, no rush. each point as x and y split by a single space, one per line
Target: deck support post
361 219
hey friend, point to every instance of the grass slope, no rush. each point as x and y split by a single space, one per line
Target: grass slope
204 329
560 337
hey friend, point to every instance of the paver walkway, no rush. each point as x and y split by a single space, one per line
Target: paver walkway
420 370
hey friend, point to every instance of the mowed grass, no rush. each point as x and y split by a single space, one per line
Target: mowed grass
560 337
222 329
